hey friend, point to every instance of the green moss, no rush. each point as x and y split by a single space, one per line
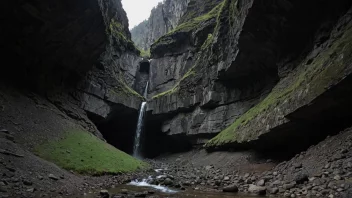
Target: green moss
190 25
128 90
326 68
207 42
144 53
195 22
84 153
117 30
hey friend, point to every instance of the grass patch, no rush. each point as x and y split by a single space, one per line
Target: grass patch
84 153
144 53
326 68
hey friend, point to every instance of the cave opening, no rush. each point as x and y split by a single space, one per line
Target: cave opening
144 66
155 142
118 129
142 76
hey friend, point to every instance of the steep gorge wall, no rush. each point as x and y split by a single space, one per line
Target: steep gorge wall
79 56
163 18
217 72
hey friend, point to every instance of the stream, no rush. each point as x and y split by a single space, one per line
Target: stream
160 191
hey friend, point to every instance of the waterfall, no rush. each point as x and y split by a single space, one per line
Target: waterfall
137 138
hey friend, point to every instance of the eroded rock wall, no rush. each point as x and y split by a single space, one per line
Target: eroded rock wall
76 54
163 18
214 70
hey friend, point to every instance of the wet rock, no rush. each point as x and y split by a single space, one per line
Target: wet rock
104 193
124 191
150 192
168 182
258 190
143 194
230 188
53 177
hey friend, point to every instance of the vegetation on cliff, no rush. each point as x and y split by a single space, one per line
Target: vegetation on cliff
309 80
188 26
84 153
116 29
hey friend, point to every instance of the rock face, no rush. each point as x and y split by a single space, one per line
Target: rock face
163 18
79 55
217 71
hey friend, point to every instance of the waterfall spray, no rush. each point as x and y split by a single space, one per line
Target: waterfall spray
137 139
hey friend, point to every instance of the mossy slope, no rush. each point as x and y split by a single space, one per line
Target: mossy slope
300 88
84 153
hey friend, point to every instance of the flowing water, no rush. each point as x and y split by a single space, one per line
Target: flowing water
137 138
134 188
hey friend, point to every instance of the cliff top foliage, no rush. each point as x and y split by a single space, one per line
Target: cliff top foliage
84 153
144 53
117 30
190 25
326 68
195 22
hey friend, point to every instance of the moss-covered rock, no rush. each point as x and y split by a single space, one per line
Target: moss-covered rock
310 79
84 153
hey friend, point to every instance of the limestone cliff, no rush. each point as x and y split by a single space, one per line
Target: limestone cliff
79 56
245 68
163 18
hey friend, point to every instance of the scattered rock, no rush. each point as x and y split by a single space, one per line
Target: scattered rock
104 193
337 177
168 182
31 190
274 191
3 189
53 177
297 165
230 188
27 182
261 182
4 131
124 191
300 178
289 186
258 190
143 194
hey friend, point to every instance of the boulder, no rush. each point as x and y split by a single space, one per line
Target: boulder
258 190
230 188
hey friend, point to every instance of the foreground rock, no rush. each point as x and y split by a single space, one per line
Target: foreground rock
230 188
